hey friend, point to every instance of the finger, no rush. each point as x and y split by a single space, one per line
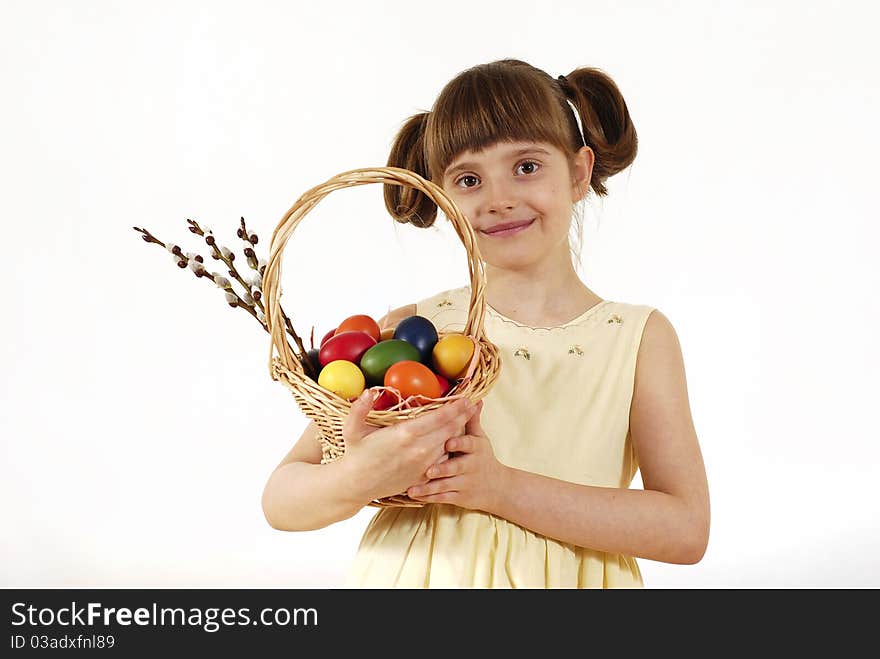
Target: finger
421 481
461 444
441 497
435 487
355 425
444 456
474 424
457 412
453 467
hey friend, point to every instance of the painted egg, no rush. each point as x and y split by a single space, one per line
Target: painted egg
342 378
349 345
452 355
420 332
361 322
377 359
412 378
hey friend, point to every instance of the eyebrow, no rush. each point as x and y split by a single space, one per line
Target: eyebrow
453 169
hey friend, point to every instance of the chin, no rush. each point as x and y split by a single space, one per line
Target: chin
510 261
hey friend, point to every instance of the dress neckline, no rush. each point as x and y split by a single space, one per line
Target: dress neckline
574 321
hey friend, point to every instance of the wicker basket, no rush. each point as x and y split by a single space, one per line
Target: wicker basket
327 409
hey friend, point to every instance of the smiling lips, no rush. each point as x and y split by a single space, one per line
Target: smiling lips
508 228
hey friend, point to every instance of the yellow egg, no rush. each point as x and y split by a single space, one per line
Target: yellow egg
343 378
451 355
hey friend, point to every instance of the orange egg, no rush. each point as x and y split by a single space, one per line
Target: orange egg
412 378
362 323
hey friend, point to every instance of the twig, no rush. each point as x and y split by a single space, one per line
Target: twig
251 303
227 256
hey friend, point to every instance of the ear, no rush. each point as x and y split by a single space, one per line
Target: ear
582 167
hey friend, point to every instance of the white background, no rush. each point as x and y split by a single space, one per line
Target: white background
139 423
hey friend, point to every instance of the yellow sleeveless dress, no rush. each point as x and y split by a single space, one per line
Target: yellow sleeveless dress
560 407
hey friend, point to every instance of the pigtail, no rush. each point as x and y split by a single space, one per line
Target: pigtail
405 204
608 128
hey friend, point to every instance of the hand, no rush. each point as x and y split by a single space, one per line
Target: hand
472 479
386 461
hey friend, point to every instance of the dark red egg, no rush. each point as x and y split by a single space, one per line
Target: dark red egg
385 400
444 384
327 336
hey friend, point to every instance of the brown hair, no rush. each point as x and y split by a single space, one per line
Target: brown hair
510 100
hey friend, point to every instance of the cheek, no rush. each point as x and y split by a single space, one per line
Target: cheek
468 214
462 204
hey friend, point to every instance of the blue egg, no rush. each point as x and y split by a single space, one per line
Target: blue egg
419 332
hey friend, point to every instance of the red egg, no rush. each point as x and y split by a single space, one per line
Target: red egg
350 346
444 384
385 400
327 336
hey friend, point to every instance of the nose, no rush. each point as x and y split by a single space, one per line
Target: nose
499 197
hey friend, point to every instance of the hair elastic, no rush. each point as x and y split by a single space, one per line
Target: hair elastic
563 82
577 119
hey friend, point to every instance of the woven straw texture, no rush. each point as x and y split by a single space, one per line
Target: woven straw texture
327 409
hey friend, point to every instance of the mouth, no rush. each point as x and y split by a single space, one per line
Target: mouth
518 227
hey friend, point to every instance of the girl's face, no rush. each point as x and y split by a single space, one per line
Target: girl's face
522 183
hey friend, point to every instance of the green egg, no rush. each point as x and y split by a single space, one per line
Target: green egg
381 356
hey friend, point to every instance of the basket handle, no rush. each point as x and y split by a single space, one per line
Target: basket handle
311 198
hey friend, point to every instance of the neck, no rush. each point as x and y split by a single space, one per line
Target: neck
542 295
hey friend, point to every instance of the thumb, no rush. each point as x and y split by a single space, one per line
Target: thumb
474 425
355 426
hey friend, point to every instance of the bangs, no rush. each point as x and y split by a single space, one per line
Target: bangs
487 105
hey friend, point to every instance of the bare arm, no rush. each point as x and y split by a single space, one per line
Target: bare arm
302 494
667 521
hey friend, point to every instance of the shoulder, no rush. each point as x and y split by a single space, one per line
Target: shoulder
636 323
394 316
659 373
449 299
659 335
639 316
447 309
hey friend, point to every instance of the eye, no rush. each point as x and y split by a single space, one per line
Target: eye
529 163
466 177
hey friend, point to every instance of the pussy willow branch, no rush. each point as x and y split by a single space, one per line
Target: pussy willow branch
195 263
227 256
251 239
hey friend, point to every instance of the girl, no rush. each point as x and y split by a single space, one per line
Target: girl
536 491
